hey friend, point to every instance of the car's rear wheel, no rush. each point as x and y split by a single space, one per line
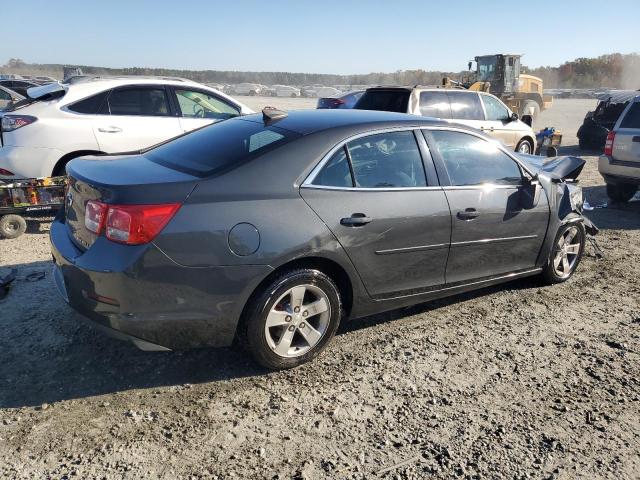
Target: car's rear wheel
524 146
621 192
566 253
292 319
12 226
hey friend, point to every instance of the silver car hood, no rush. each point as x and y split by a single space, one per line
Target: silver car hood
44 90
557 168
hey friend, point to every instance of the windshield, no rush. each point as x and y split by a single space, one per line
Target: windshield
486 69
384 100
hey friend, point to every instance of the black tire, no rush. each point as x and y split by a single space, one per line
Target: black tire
12 226
621 192
552 151
253 336
522 143
549 275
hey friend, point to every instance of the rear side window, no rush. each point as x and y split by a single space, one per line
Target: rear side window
384 101
89 105
632 118
465 106
470 160
385 160
220 147
150 102
435 104
336 172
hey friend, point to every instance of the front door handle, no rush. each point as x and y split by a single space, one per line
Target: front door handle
355 220
109 129
468 214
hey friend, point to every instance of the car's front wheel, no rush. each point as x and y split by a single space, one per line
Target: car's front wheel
292 319
565 254
621 192
524 146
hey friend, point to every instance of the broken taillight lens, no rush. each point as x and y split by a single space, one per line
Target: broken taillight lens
608 145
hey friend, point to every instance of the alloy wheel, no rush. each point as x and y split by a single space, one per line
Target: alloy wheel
566 252
297 321
524 148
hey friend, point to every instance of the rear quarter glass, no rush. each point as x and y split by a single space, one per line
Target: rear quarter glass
220 147
632 117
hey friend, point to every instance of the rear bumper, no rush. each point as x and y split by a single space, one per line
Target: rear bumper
140 295
28 162
614 171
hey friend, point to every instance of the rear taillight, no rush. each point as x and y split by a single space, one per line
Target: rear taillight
608 145
130 224
94 216
14 122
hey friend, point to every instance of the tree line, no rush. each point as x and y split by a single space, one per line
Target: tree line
611 71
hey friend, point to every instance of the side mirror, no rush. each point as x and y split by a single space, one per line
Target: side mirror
531 194
514 117
528 119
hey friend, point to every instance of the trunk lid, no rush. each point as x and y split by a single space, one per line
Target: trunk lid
119 180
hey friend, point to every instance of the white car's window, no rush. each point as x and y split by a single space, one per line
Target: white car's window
465 106
91 105
4 95
470 160
632 118
435 104
495 109
387 160
150 102
195 104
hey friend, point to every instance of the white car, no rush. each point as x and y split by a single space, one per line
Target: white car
286 91
59 122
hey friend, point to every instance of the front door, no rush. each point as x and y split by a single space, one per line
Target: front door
394 224
498 121
135 118
492 233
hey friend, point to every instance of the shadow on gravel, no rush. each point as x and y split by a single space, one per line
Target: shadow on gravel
48 353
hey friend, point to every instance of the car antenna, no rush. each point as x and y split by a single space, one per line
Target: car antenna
271 115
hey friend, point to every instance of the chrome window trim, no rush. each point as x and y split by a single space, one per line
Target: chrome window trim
308 182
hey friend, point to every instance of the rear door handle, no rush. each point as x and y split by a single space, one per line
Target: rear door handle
355 220
468 214
110 129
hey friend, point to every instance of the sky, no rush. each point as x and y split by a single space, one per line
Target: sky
343 37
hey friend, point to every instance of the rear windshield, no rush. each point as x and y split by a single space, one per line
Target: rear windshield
384 101
632 118
220 147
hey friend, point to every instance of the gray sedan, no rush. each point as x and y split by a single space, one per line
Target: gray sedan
270 229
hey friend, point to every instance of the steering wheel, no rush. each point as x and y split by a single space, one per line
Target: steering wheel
198 111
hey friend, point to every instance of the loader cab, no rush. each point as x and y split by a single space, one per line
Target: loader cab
501 71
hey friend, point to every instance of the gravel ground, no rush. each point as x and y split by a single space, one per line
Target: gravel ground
515 381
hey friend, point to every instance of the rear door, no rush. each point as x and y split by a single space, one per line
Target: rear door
626 146
197 108
392 219
492 234
498 122
135 117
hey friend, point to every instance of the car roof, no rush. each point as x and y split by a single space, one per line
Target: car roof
310 121
423 87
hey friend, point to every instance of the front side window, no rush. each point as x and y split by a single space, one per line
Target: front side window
387 160
150 102
470 160
336 172
465 106
632 118
486 69
496 111
195 104
435 104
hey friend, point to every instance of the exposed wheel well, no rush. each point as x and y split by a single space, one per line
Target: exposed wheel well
58 169
326 266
